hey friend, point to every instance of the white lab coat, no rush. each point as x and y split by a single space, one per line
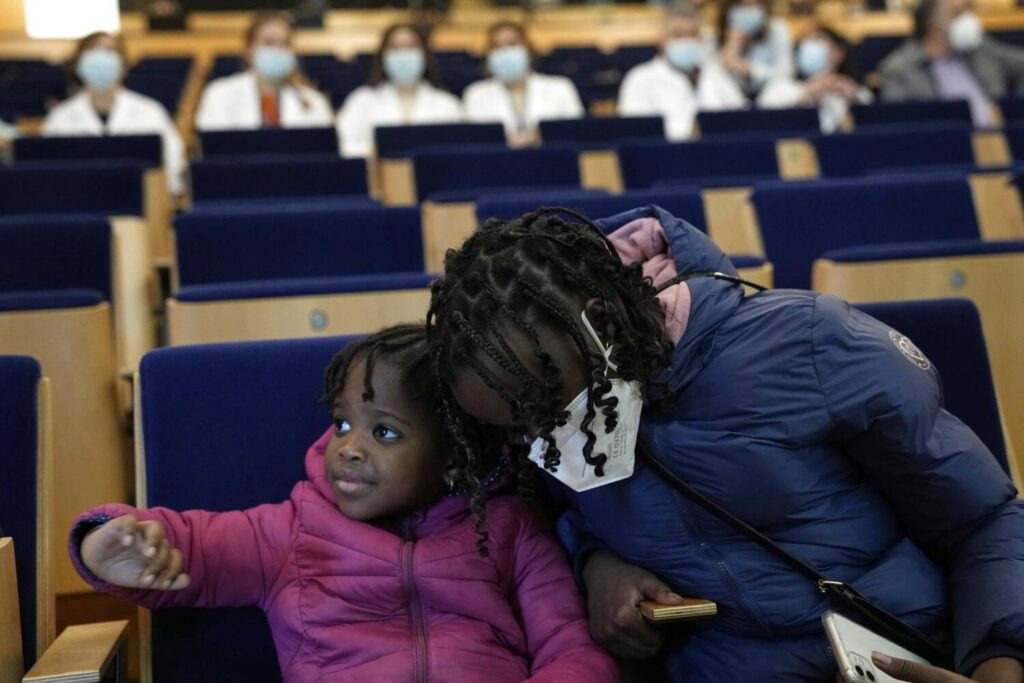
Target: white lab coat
131 114
658 88
546 97
371 106
772 56
233 103
781 93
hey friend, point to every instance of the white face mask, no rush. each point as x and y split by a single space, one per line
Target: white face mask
966 32
619 445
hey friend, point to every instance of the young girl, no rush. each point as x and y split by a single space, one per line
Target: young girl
379 567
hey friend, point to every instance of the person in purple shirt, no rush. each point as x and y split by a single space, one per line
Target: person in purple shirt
949 57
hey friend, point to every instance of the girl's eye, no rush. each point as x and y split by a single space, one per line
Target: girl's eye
341 425
385 433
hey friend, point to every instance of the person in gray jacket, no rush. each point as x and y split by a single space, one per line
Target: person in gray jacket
949 57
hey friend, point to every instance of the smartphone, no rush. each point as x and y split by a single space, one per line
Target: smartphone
691 608
853 645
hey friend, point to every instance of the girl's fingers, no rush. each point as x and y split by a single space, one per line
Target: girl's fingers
165 579
152 535
125 528
156 564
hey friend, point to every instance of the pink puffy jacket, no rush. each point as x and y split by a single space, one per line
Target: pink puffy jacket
347 601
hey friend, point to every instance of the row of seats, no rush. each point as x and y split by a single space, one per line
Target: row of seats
270 392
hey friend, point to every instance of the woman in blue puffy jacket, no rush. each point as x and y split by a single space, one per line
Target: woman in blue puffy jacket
810 421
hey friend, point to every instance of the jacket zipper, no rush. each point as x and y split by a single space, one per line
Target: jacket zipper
419 631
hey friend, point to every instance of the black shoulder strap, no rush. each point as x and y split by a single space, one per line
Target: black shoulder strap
884 623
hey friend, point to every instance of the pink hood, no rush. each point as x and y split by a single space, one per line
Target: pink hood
347 601
644 241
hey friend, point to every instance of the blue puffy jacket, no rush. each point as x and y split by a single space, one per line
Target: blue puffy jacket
798 414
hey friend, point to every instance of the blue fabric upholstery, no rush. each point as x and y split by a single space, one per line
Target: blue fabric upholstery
801 221
478 169
145 149
930 249
43 187
48 299
297 244
19 457
470 194
949 333
894 113
856 153
646 164
401 142
261 177
1015 139
47 253
684 203
260 289
796 121
226 426
287 141
602 132
283 204
1012 109
746 261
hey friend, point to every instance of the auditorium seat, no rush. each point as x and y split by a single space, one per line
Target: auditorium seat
193 404
296 272
861 152
395 145
731 161
277 177
448 183
55 304
596 138
903 113
288 141
146 150
778 122
109 188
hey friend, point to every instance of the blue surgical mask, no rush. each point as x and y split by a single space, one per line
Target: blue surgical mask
509 64
100 68
404 66
747 18
685 54
812 57
273 64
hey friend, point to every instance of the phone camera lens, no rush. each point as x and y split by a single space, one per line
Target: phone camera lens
860 671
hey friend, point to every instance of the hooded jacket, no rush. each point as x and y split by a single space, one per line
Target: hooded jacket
804 418
347 601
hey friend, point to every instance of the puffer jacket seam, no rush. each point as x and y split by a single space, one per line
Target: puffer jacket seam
814 363
301 579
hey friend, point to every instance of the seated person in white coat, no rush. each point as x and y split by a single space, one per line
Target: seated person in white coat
684 78
102 106
824 60
756 47
271 92
515 95
404 89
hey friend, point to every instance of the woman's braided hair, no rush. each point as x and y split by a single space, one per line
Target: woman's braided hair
518 275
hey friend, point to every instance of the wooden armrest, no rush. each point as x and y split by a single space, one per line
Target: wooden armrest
81 654
691 608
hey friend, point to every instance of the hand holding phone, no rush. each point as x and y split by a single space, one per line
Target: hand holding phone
853 646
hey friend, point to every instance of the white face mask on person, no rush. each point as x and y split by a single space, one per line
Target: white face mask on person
747 18
509 64
619 445
273 63
404 66
966 32
100 68
684 54
812 57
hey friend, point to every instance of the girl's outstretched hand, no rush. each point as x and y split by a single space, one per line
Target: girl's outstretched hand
999 670
134 554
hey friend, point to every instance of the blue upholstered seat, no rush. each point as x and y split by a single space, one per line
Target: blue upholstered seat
900 113
1012 109
1014 133
19 450
801 221
684 203
949 333
55 253
401 142
297 243
860 152
602 132
302 286
483 170
225 427
102 187
795 121
289 141
644 165
145 149
262 177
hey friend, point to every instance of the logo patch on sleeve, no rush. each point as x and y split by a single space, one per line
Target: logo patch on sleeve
907 348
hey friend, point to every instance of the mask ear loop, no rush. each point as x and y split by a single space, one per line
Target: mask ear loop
683 277
606 351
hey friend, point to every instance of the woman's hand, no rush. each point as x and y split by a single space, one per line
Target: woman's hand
999 670
133 554
732 52
614 591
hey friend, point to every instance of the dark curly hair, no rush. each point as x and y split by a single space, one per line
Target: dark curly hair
520 275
